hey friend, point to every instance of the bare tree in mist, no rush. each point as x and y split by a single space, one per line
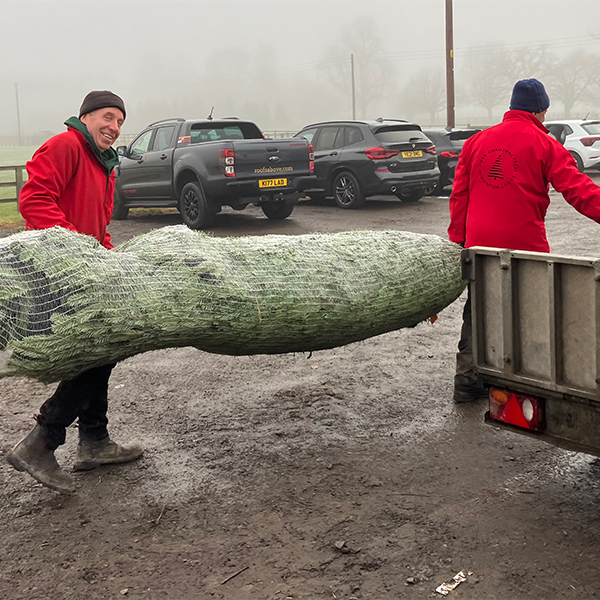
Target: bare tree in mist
487 80
574 79
524 63
373 73
425 94
492 71
571 81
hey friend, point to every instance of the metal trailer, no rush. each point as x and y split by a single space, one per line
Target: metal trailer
536 342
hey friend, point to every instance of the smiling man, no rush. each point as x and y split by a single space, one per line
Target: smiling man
70 178
71 185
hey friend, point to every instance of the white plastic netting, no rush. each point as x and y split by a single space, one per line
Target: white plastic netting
67 304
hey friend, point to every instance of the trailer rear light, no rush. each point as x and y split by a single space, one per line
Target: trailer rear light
381 153
449 154
227 161
431 150
589 141
311 158
517 409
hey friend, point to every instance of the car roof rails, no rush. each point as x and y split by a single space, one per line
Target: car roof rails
382 119
178 119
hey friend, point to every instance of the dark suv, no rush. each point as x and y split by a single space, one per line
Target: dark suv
357 159
448 143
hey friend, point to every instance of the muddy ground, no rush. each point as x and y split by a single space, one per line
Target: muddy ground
345 473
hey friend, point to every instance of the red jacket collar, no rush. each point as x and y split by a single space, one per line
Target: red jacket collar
522 115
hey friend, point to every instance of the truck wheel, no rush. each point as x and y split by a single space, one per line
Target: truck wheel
278 210
194 207
346 191
120 211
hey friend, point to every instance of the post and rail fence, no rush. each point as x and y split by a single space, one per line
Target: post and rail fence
16 183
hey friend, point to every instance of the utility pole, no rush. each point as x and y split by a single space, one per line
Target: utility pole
18 114
353 88
451 122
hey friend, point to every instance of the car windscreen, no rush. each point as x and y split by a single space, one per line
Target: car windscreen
592 128
397 134
209 132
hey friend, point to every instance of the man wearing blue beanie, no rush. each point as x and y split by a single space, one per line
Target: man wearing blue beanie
500 196
530 95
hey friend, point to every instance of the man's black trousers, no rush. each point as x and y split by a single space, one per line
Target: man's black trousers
85 397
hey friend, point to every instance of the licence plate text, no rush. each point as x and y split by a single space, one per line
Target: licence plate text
269 183
412 154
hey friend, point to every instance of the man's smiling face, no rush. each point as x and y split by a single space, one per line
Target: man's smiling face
104 126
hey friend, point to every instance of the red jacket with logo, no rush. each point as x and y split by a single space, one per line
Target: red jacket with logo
68 187
500 189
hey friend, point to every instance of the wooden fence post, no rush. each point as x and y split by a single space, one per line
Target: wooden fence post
19 183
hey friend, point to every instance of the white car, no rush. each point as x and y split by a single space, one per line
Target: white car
581 138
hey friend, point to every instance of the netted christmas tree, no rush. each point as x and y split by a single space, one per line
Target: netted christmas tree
68 304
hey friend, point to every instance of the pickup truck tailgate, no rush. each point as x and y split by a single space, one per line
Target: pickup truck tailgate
271 158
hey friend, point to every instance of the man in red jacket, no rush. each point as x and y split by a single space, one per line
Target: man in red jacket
500 196
71 185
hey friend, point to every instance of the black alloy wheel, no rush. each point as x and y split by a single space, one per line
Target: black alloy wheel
346 191
120 211
194 207
278 210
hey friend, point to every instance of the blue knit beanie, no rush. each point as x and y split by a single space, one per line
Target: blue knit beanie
529 95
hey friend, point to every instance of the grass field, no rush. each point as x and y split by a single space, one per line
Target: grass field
11 156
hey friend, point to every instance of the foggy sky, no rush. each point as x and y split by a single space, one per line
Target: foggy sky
253 58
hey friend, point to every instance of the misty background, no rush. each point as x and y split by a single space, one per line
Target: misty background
286 63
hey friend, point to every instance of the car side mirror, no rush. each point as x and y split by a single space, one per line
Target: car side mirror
121 150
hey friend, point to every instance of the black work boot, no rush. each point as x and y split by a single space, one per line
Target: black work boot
93 453
32 455
468 390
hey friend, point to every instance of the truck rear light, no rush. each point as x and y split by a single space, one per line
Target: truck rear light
381 153
311 158
227 161
519 410
449 154
589 141
431 150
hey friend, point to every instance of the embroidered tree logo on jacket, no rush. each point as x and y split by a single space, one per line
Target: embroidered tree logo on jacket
497 168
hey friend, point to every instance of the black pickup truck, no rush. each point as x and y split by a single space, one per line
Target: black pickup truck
198 166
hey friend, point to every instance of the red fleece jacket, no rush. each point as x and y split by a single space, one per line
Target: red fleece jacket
68 187
500 190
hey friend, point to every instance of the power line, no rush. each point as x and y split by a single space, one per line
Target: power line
554 42
564 42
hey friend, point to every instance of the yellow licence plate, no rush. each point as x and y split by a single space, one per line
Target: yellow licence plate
264 183
412 154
